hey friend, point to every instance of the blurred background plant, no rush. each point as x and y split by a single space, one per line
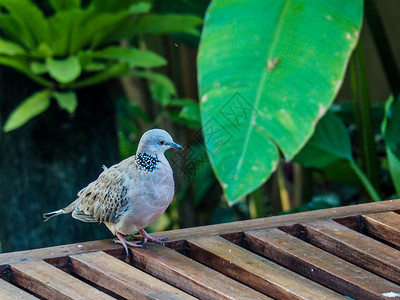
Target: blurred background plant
76 46
117 68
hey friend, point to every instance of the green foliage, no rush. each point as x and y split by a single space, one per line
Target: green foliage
134 57
66 100
390 133
330 143
161 24
75 46
266 77
29 108
63 70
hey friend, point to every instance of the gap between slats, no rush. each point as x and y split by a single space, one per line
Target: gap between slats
255 271
354 247
318 265
49 282
123 279
385 226
186 274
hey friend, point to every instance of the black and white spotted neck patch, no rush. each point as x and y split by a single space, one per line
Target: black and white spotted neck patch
146 162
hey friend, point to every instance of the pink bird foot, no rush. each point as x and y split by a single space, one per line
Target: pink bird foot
139 244
148 238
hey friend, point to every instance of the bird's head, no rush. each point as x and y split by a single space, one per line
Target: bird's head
156 141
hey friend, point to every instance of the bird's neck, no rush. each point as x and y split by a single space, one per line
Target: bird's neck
147 161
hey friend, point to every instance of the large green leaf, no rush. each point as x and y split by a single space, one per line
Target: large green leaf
64 70
268 71
390 133
28 109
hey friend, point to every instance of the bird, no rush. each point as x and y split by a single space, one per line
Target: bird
130 195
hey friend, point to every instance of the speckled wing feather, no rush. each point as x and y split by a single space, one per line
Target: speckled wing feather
105 199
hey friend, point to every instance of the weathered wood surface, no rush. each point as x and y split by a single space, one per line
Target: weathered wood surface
189 275
131 283
385 226
282 220
52 283
181 234
327 254
318 265
11 292
255 271
355 247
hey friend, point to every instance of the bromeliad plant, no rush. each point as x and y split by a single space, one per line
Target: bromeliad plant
76 46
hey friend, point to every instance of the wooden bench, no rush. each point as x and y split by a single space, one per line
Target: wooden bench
327 254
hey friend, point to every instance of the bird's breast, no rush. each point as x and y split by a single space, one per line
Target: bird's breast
154 188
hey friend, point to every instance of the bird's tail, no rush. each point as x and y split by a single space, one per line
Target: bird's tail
49 215
65 210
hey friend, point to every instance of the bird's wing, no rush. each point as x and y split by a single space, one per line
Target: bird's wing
105 199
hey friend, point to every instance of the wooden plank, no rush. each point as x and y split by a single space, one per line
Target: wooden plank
255 271
385 226
121 278
189 275
11 292
180 234
281 220
318 265
355 247
57 251
49 282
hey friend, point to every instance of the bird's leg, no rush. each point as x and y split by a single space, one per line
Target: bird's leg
125 243
148 238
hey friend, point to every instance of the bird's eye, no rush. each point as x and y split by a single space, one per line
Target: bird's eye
161 142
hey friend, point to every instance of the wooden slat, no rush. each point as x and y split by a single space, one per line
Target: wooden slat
189 275
180 234
319 265
121 278
11 292
355 247
385 226
57 251
49 282
254 270
281 220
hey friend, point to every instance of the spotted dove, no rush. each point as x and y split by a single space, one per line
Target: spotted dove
130 195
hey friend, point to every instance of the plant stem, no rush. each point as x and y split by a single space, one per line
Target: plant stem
283 192
362 110
302 185
364 180
382 43
256 205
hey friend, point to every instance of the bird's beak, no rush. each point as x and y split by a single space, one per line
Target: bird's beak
177 146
